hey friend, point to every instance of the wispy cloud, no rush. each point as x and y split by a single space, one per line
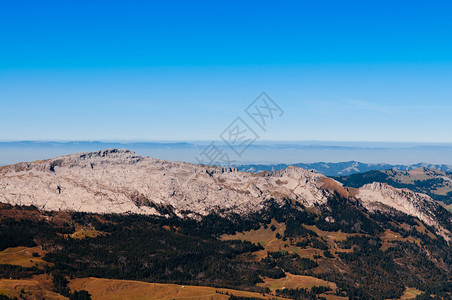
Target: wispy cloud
366 105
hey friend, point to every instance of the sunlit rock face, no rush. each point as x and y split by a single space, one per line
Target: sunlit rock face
120 181
376 196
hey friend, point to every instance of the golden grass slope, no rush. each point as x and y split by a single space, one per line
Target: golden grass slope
83 232
22 256
113 289
38 287
263 236
410 293
295 282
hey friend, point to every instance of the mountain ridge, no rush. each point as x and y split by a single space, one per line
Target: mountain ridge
342 168
120 181
118 215
435 183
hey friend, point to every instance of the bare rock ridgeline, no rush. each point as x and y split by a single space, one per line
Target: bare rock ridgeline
109 181
120 181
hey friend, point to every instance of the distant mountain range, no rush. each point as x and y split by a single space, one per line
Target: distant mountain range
342 168
433 182
260 152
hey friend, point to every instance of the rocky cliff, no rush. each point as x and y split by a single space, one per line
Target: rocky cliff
120 181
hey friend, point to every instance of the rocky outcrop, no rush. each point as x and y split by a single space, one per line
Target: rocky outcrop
120 181
376 194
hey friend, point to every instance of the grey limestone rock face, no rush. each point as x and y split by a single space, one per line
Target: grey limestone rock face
120 181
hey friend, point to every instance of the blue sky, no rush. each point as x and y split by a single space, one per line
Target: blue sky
179 70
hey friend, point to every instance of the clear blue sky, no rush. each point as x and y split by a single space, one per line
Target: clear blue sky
183 70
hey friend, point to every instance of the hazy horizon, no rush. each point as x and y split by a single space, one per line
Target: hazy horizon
259 152
296 72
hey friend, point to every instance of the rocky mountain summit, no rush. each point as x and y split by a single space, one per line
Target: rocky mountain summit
376 196
120 181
